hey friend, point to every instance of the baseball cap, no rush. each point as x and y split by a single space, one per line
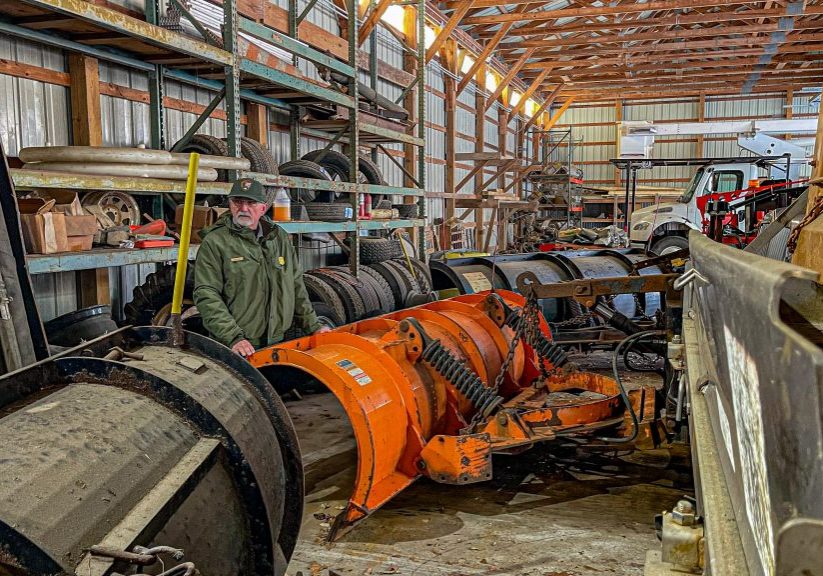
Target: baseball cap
248 188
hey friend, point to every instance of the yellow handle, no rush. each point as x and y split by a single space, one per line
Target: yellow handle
185 235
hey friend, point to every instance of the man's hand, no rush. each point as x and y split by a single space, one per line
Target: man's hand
322 329
244 348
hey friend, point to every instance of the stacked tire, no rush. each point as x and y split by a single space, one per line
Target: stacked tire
338 297
258 156
329 165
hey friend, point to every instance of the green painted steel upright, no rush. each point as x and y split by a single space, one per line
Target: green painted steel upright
421 118
233 133
354 130
157 112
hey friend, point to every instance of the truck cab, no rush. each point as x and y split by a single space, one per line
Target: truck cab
664 228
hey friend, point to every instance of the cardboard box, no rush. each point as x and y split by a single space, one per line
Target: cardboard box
44 231
203 216
79 243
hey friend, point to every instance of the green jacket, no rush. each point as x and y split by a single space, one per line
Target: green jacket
250 288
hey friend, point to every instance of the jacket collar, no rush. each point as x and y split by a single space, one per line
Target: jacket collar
225 221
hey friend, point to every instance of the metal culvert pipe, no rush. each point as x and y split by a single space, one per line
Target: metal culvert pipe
109 155
128 442
476 274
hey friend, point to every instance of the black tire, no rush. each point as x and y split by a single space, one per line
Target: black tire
669 244
400 280
394 281
369 293
422 274
412 285
378 249
352 301
382 287
260 158
329 211
305 169
321 291
407 211
371 174
155 293
209 145
369 170
336 163
325 314
79 326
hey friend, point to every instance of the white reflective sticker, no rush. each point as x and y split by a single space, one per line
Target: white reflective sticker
478 281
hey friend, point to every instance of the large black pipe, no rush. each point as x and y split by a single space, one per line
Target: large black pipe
151 445
475 274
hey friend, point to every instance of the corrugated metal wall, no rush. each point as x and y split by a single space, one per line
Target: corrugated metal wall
594 125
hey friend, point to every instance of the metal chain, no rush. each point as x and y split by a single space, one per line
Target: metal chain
581 319
811 216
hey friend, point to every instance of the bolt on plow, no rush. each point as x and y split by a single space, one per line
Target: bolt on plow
437 390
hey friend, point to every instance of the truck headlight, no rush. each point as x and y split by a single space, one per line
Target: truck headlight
642 226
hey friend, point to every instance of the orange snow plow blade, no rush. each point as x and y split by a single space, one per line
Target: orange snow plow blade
423 390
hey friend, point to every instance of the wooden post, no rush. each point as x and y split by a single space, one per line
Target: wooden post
449 59
502 139
701 117
410 100
479 146
618 118
810 243
257 125
84 93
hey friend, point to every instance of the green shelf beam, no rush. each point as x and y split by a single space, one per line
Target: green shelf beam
31 179
333 186
111 257
301 85
101 258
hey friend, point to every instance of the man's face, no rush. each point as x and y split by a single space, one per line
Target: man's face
245 212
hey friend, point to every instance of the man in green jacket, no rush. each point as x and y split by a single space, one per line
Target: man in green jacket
248 284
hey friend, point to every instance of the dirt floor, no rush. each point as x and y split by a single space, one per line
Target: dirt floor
556 510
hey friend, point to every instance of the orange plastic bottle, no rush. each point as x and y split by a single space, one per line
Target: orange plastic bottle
281 210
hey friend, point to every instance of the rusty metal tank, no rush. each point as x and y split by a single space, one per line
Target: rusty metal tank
126 441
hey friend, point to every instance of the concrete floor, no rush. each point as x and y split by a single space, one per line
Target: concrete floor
553 511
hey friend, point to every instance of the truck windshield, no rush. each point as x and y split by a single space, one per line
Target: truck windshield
692 188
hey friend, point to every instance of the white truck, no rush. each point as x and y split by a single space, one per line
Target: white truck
664 227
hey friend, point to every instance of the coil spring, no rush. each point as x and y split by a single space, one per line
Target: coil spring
461 376
545 348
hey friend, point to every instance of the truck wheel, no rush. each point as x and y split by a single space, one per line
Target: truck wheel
669 244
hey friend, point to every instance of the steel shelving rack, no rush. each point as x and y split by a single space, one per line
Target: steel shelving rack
143 45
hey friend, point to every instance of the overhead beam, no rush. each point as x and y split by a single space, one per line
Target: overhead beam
589 12
717 45
528 94
648 36
504 83
619 66
544 28
372 19
542 108
447 30
556 116
484 54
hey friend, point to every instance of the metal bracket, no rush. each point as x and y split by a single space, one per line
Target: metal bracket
586 291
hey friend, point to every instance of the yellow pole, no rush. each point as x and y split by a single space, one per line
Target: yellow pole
183 253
